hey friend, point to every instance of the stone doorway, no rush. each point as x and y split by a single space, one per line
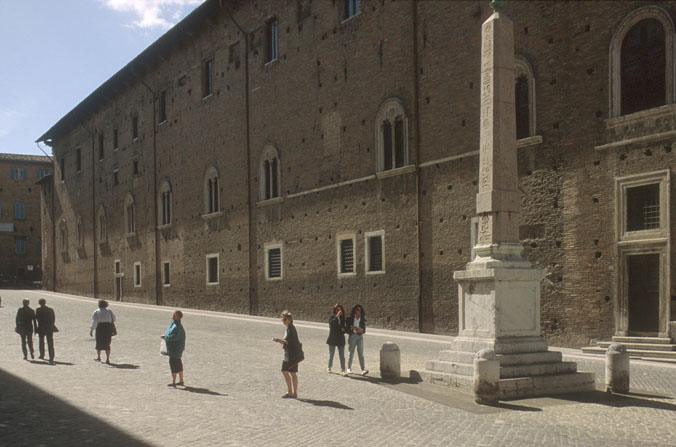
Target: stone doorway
643 293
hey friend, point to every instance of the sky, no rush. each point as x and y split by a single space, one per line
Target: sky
54 53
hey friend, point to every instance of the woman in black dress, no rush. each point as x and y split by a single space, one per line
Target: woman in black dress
337 337
103 321
292 355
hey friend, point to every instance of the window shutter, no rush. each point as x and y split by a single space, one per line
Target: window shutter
275 263
375 254
346 256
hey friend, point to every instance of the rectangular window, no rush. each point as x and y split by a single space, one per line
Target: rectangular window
163 106
351 8
166 208
207 78
375 252
387 144
100 146
165 274
62 166
19 210
212 269
134 127
643 207
137 274
398 142
115 139
271 39
273 261
135 167
78 159
20 246
18 173
42 173
116 177
346 265
117 267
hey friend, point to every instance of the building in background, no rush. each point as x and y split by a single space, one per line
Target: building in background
271 155
20 226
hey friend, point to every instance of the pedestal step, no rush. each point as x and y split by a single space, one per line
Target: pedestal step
659 340
642 346
464 369
642 353
538 369
447 379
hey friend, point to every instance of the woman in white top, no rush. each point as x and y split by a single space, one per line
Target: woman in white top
103 321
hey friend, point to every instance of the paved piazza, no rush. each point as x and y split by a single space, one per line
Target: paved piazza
233 389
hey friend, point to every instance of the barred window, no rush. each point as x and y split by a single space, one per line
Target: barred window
375 252
643 207
346 255
273 261
212 269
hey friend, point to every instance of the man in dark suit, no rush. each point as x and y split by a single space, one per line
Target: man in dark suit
46 319
25 323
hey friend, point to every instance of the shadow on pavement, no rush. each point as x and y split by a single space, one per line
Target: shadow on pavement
46 362
326 403
192 389
514 407
618 400
123 365
32 417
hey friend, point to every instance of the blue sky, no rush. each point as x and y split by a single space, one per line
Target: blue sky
54 53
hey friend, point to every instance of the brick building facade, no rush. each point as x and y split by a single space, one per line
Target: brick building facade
20 228
295 154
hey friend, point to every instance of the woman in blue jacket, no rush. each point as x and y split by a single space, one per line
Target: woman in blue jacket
175 339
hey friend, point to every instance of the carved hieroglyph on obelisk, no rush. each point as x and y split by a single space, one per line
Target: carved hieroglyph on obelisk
499 291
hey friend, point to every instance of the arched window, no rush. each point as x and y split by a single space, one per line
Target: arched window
269 173
391 135
102 224
212 202
63 230
80 232
164 203
642 62
524 100
130 214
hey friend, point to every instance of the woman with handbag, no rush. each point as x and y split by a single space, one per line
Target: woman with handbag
337 337
293 355
174 338
103 321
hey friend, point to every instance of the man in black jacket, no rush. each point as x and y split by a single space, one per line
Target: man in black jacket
46 318
25 323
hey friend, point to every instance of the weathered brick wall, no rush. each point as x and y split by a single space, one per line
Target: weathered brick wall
317 105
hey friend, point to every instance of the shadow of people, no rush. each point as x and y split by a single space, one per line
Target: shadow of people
48 363
620 400
123 365
325 403
192 389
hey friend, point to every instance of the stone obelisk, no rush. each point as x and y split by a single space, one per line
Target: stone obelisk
499 292
499 348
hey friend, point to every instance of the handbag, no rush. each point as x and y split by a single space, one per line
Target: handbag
18 330
55 329
114 333
163 347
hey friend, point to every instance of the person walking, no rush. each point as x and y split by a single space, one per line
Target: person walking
103 321
337 337
293 355
356 327
25 325
174 337
45 318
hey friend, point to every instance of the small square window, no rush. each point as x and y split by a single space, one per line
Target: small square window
116 177
135 167
375 252
137 274
101 147
20 246
642 202
351 8
134 127
165 274
117 267
115 139
643 207
273 261
212 269
271 40
163 106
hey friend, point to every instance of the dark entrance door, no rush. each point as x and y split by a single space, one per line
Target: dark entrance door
644 292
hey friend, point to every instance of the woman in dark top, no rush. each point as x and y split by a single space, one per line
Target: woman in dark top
337 337
292 355
356 327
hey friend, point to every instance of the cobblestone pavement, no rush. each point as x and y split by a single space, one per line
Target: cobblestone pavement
233 389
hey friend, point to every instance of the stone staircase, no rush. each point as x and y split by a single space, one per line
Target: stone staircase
650 348
531 373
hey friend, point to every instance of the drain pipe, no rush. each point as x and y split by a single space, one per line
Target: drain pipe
416 105
252 242
158 286
95 250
